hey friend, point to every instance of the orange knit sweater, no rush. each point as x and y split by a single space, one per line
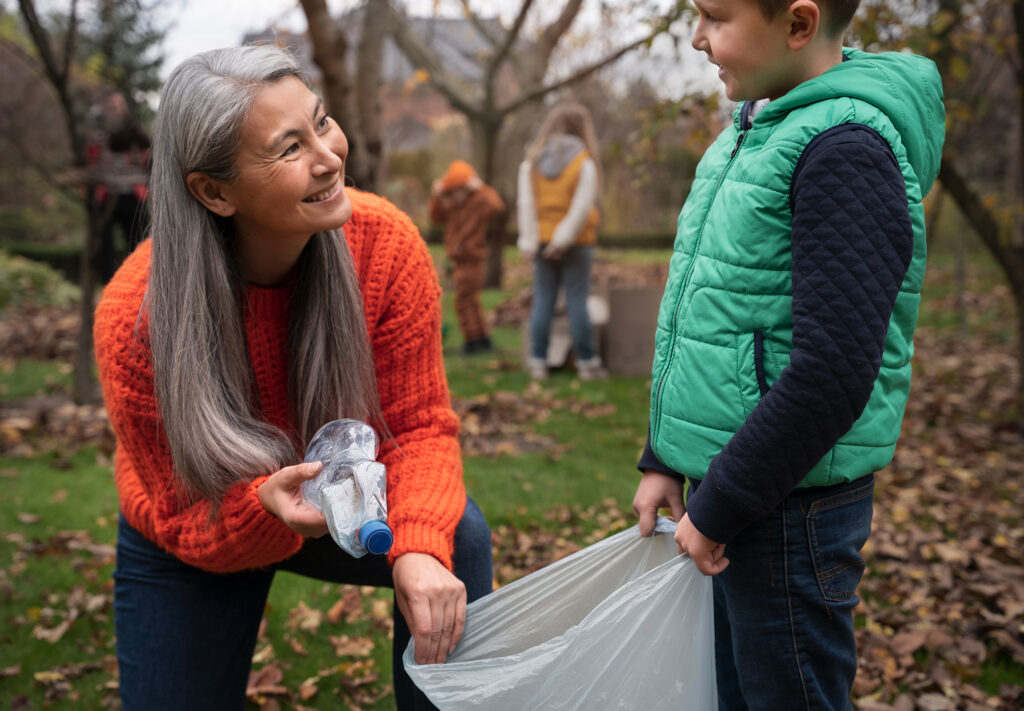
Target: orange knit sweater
401 297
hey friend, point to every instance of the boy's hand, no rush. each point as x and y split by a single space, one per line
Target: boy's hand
657 490
708 555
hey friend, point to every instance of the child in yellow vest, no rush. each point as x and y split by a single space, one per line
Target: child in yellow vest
558 217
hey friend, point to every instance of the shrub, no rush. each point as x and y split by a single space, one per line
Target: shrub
24 281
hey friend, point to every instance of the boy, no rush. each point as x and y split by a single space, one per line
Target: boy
468 209
782 359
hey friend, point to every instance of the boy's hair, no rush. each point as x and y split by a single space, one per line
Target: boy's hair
838 14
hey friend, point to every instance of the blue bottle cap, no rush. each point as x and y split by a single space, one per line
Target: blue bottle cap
375 536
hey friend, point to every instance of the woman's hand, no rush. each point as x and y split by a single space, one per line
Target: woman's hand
281 495
433 602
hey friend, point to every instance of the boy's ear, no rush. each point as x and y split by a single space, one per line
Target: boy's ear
804 22
210 192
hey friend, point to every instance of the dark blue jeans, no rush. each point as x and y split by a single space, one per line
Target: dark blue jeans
784 606
573 272
185 637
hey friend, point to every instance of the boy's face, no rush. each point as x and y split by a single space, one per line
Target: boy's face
753 58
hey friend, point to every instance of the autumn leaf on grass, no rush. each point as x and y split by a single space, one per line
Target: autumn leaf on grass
380 611
349 607
52 635
10 671
265 682
354 675
264 654
305 618
296 646
308 689
345 646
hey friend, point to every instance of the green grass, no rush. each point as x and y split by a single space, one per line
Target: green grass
26 378
53 510
44 497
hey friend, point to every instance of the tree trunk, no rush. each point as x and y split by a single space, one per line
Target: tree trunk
329 49
1009 258
485 145
84 390
368 73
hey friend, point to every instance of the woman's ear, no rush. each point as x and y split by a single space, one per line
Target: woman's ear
209 192
804 23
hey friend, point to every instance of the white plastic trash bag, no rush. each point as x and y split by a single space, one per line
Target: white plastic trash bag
626 623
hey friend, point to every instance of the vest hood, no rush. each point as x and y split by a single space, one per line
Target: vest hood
558 152
907 88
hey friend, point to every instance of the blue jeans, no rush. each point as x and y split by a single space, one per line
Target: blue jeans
185 637
784 606
572 271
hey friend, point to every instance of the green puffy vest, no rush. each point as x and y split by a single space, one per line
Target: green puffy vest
725 321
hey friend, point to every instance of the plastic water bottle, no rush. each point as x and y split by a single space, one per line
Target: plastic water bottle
350 490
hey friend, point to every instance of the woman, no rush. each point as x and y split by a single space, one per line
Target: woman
224 343
557 211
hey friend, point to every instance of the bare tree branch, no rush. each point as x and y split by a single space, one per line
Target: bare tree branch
69 38
484 31
553 32
596 66
510 39
41 39
423 57
1018 22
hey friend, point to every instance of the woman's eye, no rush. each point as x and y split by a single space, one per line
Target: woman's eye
324 121
290 149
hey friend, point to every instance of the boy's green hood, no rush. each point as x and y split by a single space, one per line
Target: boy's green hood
905 87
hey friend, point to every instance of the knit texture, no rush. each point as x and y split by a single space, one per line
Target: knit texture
401 302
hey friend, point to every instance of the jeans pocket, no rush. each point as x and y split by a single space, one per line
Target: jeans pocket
838 526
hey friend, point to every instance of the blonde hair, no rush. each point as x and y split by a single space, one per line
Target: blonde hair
571 119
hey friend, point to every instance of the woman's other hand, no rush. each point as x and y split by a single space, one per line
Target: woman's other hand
433 602
281 495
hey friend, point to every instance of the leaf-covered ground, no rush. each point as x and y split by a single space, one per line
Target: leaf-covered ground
940 625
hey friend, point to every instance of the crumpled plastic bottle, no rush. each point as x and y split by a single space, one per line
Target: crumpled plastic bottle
351 488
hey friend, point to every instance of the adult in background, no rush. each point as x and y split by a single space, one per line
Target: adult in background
468 209
121 160
269 300
559 184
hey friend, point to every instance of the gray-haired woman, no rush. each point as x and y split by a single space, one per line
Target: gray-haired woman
224 342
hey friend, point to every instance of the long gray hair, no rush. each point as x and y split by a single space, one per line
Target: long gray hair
204 381
570 119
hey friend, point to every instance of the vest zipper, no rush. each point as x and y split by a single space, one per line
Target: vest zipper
656 419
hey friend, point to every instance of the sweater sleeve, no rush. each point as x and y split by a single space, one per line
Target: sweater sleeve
852 243
243 535
402 296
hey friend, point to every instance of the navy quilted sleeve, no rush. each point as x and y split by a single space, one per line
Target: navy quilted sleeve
649 460
852 244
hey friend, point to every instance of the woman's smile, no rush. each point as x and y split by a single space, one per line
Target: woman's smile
325 195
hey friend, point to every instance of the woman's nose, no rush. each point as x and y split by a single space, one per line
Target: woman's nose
331 155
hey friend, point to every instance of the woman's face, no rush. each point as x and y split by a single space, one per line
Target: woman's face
290 165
